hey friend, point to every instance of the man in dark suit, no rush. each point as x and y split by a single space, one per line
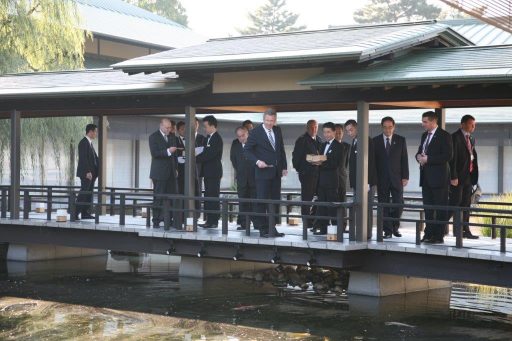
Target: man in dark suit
351 128
343 170
180 148
463 169
392 165
245 181
434 154
265 149
247 124
87 171
328 178
211 159
163 173
308 143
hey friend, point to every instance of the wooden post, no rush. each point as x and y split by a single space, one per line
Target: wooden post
102 155
361 190
14 190
190 160
441 115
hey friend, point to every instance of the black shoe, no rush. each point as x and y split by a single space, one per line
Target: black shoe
426 239
437 241
240 228
387 236
203 225
469 235
76 217
397 234
87 216
210 226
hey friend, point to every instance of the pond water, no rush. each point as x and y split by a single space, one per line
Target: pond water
142 298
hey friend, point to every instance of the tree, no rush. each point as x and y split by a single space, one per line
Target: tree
39 35
170 9
383 11
272 18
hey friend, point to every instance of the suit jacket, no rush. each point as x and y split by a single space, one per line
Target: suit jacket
372 172
394 167
303 146
459 165
329 170
436 172
343 170
244 168
200 142
181 166
211 157
258 147
87 159
163 166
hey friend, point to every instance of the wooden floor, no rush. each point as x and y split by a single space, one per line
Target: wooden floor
484 248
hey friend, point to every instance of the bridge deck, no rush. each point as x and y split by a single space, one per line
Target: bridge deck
484 248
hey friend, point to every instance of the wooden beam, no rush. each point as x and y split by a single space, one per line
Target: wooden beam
361 190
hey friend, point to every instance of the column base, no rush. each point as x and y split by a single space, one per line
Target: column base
378 285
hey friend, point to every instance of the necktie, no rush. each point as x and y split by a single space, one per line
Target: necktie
470 149
166 138
271 139
388 145
427 142
327 145
208 137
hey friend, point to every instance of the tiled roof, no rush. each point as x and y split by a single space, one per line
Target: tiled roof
118 19
358 43
456 65
91 82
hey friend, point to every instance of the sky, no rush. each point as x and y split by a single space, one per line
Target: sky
221 18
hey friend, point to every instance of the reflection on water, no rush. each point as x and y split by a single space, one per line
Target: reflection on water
134 298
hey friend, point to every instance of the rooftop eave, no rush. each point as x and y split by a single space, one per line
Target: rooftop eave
174 87
245 60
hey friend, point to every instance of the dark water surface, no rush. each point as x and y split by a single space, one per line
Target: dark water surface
142 298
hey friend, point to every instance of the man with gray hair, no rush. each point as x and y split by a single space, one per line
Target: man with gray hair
265 149
164 172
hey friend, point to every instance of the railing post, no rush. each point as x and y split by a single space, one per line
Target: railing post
493 228
72 206
148 216
112 201
247 224
122 202
271 220
231 209
457 227
26 204
422 220
4 203
418 232
49 204
224 215
503 239
167 213
134 209
305 225
179 213
288 209
380 223
340 213
97 208
352 223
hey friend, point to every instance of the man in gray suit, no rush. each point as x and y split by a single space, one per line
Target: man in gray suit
163 173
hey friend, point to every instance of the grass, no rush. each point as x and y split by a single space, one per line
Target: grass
502 198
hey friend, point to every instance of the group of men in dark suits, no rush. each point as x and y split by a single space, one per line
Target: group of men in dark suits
448 172
168 166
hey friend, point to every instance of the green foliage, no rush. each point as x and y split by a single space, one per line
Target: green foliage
272 18
40 35
503 198
170 9
390 11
